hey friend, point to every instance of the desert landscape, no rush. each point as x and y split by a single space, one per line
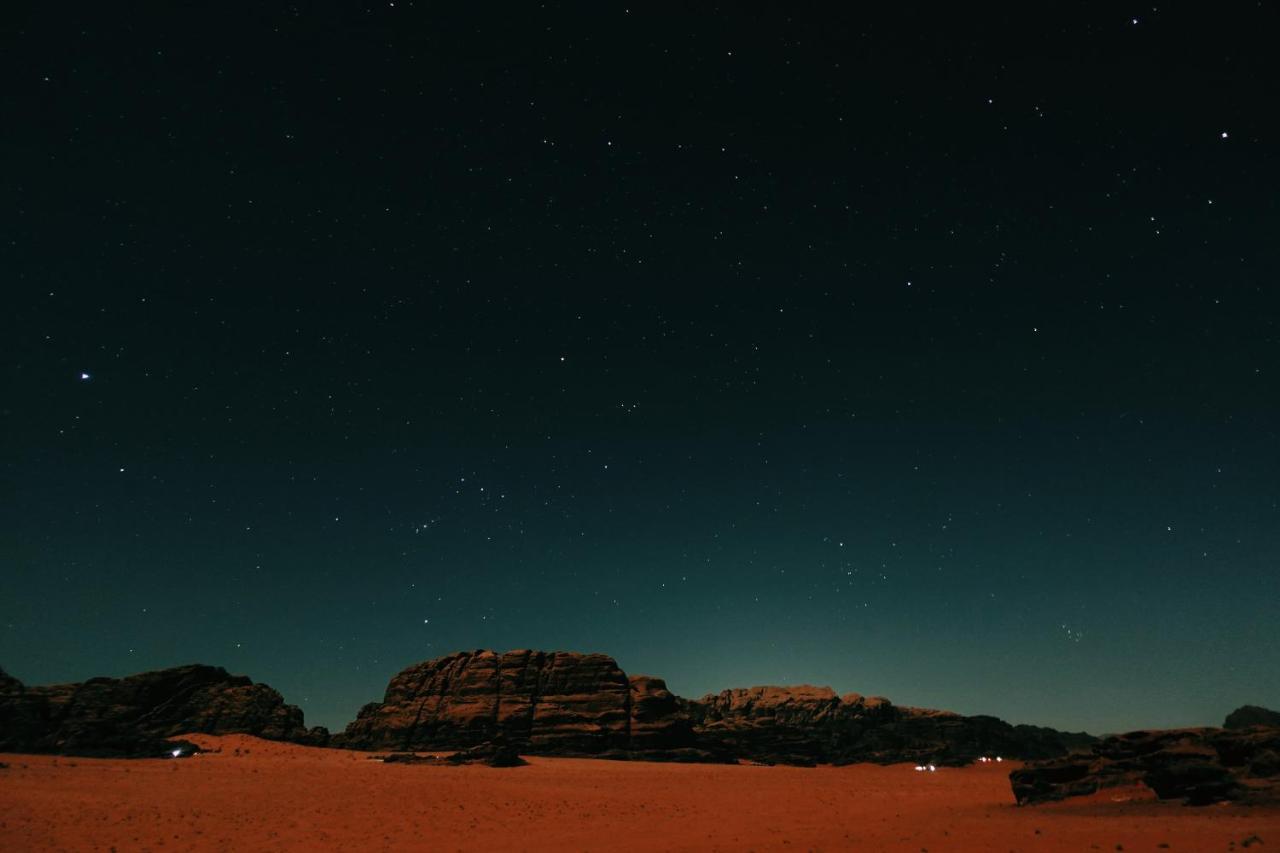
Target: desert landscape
247 793
620 426
556 750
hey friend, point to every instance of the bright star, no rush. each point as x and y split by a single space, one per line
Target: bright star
84 377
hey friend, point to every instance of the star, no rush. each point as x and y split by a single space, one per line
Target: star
85 377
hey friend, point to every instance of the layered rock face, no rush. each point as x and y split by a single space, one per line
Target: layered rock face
560 703
1199 766
548 703
812 725
133 716
542 702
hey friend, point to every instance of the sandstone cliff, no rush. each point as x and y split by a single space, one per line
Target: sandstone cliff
812 725
562 703
134 716
556 703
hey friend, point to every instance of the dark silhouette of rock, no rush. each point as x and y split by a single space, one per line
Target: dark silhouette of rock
9 684
561 703
135 716
507 757
493 707
1199 766
408 758
495 753
1251 715
1197 781
807 725
657 722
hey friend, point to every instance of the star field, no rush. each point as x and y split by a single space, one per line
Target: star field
917 353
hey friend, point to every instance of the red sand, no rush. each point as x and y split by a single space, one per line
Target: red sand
259 795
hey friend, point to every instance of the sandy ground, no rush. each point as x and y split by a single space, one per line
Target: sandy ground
259 795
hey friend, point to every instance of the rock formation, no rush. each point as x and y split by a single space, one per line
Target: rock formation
1199 766
1251 715
560 703
550 703
811 725
494 753
657 722
135 716
543 703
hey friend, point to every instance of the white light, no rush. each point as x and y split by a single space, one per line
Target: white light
920 767
84 377
932 768
176 753
998 758
1224 134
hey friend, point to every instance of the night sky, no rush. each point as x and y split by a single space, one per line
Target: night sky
931 354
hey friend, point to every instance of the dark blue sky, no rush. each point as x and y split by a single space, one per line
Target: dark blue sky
931 357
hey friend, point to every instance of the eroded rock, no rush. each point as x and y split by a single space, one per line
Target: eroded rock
135 716
556 703
1199 766
562 703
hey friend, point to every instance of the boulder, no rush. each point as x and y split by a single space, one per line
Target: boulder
135 716
1197 781
495 753
498 752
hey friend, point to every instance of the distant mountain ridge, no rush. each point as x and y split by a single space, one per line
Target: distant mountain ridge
572 704
137 715
565 703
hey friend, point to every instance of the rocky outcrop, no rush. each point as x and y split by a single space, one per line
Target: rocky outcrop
561 703
494 753
487 704
812 725
1251 715
550 703
135 716
1199 766
657 721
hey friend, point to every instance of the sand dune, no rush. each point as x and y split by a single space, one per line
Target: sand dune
263 795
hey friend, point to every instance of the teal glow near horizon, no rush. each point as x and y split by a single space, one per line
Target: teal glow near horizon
925 357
